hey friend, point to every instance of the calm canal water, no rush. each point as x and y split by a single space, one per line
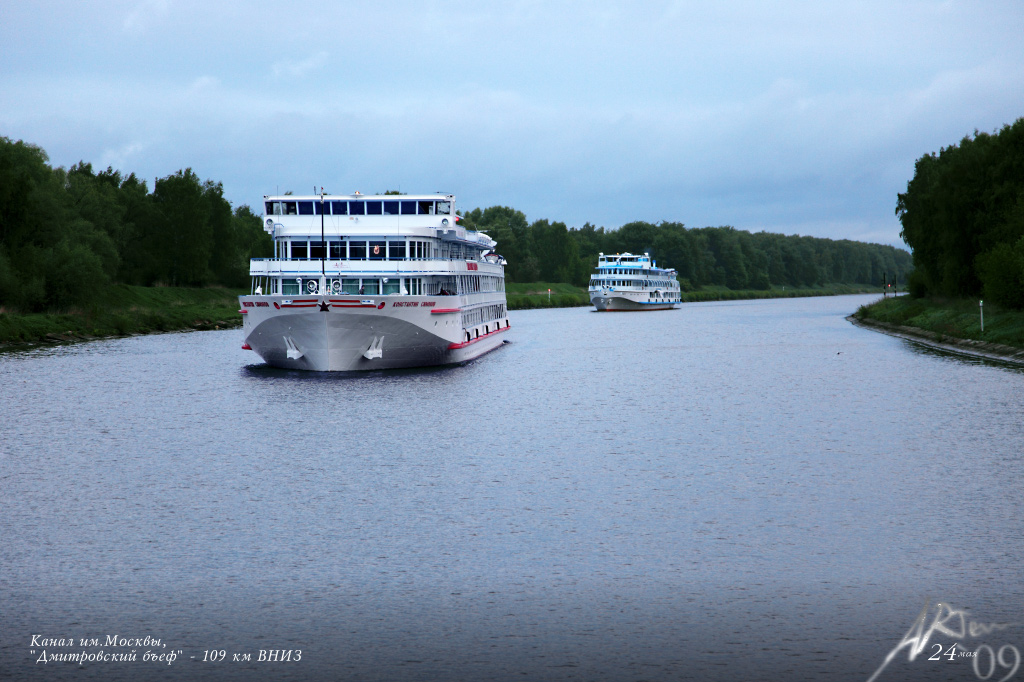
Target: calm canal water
746 491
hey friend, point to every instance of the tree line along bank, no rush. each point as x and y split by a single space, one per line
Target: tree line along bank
67 233
963 216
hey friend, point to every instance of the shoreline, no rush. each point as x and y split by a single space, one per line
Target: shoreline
52 340
970 347
54 329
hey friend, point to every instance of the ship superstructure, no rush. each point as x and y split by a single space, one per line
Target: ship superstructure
633 282
362 282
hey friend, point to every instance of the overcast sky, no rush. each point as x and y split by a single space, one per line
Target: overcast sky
800 117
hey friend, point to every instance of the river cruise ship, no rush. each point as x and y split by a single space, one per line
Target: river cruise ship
632 282
363 282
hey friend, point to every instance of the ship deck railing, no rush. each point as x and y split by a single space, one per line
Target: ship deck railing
282 266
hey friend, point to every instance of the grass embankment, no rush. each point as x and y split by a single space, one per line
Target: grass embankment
121 309
948 321
535 294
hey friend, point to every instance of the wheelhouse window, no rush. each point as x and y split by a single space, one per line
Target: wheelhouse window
444 207
408 208
291 208
357 208
374 207
305 208
322 207
339 207
390 208
426 208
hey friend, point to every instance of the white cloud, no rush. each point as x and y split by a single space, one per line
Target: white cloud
728 114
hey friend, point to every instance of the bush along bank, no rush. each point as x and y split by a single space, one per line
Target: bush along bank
121 310
954 323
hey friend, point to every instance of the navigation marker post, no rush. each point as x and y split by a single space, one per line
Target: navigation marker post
981 311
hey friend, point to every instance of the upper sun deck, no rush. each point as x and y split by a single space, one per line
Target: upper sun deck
626 262
425 215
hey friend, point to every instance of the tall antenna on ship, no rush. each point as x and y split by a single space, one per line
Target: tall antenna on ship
323 243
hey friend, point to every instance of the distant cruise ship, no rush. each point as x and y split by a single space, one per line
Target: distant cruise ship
373 282
629 282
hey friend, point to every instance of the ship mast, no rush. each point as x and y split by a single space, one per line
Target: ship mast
323 243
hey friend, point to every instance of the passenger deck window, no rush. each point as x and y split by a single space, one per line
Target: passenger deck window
378 250
299 251
337 250
396 250
317 250
357 250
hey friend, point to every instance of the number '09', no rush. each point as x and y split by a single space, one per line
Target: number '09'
994 658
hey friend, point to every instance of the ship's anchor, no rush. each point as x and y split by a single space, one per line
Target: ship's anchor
375 350
293 351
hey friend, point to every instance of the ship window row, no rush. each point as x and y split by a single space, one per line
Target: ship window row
483 314
373 249
666 283
357 249
445 285
473 284
358 207
626 271
353 286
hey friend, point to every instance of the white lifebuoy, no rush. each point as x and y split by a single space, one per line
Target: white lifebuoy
311 286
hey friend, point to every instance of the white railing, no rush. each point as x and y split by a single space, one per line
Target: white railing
280 266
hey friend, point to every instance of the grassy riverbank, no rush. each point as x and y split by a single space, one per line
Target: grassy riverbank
535 294
946 320
121 309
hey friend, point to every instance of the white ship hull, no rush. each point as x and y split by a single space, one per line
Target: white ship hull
615 301
357 333
627 282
